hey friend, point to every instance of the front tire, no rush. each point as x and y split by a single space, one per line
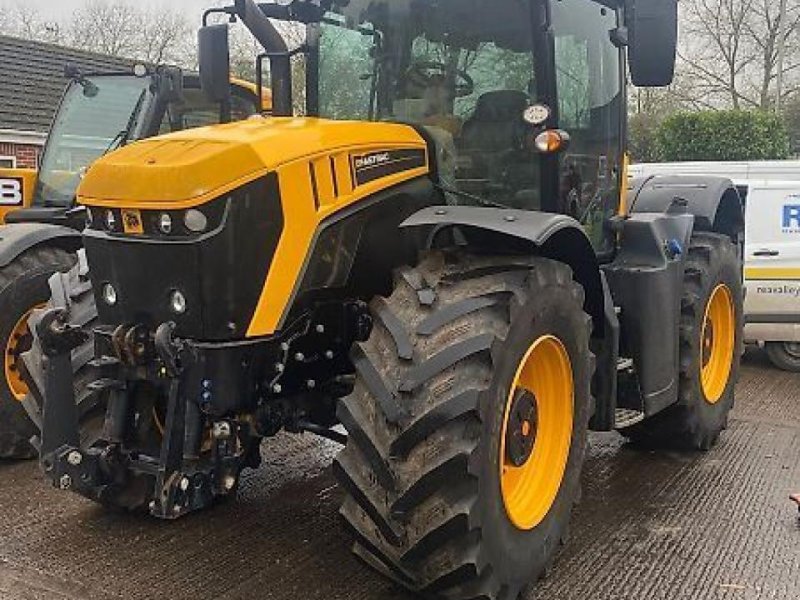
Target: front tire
467 425
711 348
23 287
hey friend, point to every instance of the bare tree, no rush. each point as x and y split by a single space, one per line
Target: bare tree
730 52
153 33
25 21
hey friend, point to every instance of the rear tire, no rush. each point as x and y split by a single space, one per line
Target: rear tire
23 287
424 468
784 355
697 420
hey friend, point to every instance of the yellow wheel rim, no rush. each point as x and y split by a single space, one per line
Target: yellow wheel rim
717 342
17 343
537 433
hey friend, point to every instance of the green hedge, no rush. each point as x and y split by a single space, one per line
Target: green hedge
723 135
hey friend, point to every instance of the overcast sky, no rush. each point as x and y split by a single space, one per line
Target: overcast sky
63 8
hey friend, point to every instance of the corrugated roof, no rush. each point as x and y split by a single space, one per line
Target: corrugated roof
32 80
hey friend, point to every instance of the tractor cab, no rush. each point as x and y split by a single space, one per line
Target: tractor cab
523 101
521 118
99 113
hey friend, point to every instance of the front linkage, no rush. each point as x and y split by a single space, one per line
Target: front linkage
183 418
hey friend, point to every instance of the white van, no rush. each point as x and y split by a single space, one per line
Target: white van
771 191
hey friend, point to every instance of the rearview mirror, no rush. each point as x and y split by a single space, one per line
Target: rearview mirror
214 60
652 41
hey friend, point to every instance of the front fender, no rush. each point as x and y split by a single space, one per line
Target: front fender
508 231
20 237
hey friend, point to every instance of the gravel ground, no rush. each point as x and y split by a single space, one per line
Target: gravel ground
651 525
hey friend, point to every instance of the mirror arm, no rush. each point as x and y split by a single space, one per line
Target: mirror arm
270 38
620 37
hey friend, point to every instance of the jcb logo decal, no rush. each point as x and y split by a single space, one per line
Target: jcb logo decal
11 191
791 218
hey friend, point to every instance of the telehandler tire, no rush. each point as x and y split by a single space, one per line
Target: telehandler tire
70 291
467 425
23 287
710 350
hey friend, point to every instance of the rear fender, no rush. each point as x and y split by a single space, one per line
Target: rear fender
713 201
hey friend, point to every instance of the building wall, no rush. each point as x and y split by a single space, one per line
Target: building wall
26 155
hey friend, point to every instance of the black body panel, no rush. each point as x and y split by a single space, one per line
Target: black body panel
355 250
19 237
646 282
220 273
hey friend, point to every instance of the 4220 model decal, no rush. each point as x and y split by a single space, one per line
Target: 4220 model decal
375 165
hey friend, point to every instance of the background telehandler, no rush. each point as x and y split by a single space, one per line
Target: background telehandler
98 112
443 256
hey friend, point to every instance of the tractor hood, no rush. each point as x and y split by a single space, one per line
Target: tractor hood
189 168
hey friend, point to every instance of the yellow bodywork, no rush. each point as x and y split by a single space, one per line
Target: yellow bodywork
16 190
252 88
190 168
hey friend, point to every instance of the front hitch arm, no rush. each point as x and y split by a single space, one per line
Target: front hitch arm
60 413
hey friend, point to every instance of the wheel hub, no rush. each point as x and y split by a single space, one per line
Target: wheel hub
522 425
536 432
708 342
717 343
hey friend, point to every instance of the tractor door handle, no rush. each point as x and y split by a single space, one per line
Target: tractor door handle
766 253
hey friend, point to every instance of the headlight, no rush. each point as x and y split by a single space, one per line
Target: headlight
165 223
195 221
177 302
110 220
109 294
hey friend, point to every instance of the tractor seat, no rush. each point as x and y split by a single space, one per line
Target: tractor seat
495 123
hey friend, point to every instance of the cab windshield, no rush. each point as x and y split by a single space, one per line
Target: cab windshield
463 70
466 71
95 116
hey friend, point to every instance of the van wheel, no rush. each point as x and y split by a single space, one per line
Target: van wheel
23 287
467 425
710 350
784 355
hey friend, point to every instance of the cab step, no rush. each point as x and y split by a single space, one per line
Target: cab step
626 417
624 364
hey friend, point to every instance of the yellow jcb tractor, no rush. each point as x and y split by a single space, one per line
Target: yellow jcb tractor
442 256
98 112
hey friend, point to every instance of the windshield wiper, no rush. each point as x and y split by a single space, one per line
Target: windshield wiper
478 199
123 135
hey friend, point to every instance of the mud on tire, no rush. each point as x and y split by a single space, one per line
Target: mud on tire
421 469
23 286
695 422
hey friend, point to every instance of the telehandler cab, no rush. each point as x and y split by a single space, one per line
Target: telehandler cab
442 256
41 232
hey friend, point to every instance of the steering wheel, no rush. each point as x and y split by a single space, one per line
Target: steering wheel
422 74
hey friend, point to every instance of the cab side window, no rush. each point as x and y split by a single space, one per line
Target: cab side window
590 102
